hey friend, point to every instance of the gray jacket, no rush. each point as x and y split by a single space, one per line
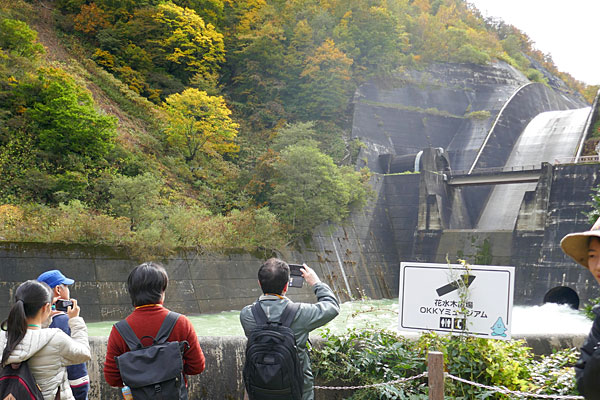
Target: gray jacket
308 318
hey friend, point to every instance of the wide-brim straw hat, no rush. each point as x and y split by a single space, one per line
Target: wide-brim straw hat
576 245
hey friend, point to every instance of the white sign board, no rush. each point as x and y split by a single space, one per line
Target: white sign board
447 298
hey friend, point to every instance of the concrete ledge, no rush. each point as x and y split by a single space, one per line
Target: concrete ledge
222 378
545 344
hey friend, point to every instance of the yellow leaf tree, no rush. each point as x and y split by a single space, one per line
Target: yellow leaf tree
199 124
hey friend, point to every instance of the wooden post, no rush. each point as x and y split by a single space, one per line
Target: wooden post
435 375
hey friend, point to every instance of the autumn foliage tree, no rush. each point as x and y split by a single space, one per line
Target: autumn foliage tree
325 89
91 19
199 124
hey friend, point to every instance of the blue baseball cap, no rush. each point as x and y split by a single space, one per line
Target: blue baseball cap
54 278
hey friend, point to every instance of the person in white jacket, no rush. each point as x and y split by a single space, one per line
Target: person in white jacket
47 351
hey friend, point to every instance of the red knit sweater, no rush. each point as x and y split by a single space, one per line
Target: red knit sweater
146 321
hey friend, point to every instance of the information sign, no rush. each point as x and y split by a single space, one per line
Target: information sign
475 300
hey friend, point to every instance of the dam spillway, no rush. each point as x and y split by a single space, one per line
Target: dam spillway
550 136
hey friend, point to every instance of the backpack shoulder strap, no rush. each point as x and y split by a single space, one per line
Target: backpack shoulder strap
259 314
287 317
167 327
128 335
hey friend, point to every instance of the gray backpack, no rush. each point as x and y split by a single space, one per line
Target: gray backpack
155 371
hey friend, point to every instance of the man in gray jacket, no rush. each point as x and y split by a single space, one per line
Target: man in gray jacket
273 278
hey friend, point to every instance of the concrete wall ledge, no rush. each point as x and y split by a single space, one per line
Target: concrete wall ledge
222 378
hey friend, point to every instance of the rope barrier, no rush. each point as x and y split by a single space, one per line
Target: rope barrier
496 389
395 382
504 390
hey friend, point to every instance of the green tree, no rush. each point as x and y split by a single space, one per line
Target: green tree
53 141
64 118
199 123
326 136
19 39
373 37
310 189
134 197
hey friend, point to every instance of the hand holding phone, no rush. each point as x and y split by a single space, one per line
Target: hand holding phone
63 305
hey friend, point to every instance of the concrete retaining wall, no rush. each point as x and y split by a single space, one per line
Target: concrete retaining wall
222 378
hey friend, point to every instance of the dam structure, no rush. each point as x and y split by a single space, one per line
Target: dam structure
500 173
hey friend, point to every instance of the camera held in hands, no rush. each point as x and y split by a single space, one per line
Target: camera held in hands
63 305
296 278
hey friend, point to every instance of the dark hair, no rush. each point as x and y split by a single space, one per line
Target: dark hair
30 297
273 275
146 283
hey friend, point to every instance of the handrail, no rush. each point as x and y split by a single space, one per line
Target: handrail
489 134
484 171
575 160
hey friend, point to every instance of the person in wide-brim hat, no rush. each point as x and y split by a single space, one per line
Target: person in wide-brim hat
584 248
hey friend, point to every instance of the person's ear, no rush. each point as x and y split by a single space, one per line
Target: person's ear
285 288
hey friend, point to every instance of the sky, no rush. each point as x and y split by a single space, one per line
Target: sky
563 28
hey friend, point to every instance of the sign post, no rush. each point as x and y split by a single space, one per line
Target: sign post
475 300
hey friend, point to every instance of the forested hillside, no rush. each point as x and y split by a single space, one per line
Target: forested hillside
214 124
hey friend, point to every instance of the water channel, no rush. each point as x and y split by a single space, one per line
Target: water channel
383 314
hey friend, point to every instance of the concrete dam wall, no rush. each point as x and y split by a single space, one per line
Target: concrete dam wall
462 119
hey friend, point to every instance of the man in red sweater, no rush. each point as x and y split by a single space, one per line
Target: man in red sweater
146 285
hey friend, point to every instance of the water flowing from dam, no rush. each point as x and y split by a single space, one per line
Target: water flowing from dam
549 136
383 314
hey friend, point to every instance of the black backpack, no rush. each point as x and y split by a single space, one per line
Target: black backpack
156 371
272 370
18 383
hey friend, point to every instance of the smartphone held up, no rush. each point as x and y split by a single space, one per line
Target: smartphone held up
63 305
296 278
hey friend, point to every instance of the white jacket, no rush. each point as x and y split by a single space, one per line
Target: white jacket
49 351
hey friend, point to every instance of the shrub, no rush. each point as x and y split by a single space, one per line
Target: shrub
68 223
376 356
587 308
172 227
536 76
